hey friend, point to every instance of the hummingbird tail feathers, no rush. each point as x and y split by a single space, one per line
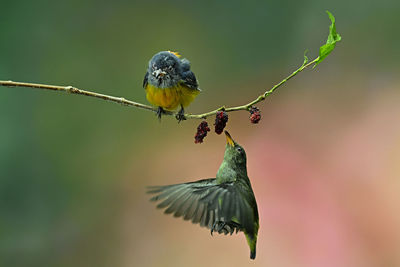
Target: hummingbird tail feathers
253 253
252 240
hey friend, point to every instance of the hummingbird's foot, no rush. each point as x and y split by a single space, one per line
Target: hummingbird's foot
225 227
217 226
159 112
180 116
234 227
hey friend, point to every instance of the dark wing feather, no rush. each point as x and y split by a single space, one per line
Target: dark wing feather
190 80
206 202
145 80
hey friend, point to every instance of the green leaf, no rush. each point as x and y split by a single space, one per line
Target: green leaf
305 57
333 38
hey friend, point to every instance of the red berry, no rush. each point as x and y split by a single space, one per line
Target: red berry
221 118
255 115
202 130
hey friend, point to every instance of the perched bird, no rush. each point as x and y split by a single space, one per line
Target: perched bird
170 83
223 204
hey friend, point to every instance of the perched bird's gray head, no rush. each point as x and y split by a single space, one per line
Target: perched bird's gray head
164 70
234 153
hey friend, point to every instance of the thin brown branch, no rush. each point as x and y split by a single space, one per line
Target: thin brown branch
125 102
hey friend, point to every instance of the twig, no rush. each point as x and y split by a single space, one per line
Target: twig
258 99
125 102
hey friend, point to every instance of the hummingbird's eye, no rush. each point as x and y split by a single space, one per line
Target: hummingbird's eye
239 149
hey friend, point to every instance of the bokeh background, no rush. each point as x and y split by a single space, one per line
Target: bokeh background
324 160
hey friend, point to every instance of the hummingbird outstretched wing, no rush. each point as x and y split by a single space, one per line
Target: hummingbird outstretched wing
207 203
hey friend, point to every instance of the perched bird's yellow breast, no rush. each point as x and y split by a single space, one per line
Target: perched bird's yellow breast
170 98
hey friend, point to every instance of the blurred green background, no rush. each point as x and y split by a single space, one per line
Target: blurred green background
324 160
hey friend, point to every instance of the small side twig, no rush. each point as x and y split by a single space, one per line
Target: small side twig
125 102
258 99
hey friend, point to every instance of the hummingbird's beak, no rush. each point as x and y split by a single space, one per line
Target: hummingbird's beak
229 139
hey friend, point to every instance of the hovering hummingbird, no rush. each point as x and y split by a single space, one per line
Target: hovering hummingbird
224 204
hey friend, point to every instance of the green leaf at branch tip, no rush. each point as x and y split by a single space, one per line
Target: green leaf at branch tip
333 38
305 58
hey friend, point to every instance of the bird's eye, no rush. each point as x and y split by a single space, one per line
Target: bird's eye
239 149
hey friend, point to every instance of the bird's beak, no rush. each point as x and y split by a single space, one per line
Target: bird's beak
159 73
229 139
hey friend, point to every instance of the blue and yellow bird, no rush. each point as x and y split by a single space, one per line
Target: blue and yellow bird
169 83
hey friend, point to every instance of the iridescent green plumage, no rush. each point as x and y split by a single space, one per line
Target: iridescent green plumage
223 204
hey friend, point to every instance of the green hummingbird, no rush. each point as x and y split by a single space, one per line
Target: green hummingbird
224 204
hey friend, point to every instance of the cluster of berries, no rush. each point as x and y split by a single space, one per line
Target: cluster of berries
220 121
202 130
221 118
255 115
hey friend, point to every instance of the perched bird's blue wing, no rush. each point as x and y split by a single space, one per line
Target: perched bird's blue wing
185 64
145 80
190 80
